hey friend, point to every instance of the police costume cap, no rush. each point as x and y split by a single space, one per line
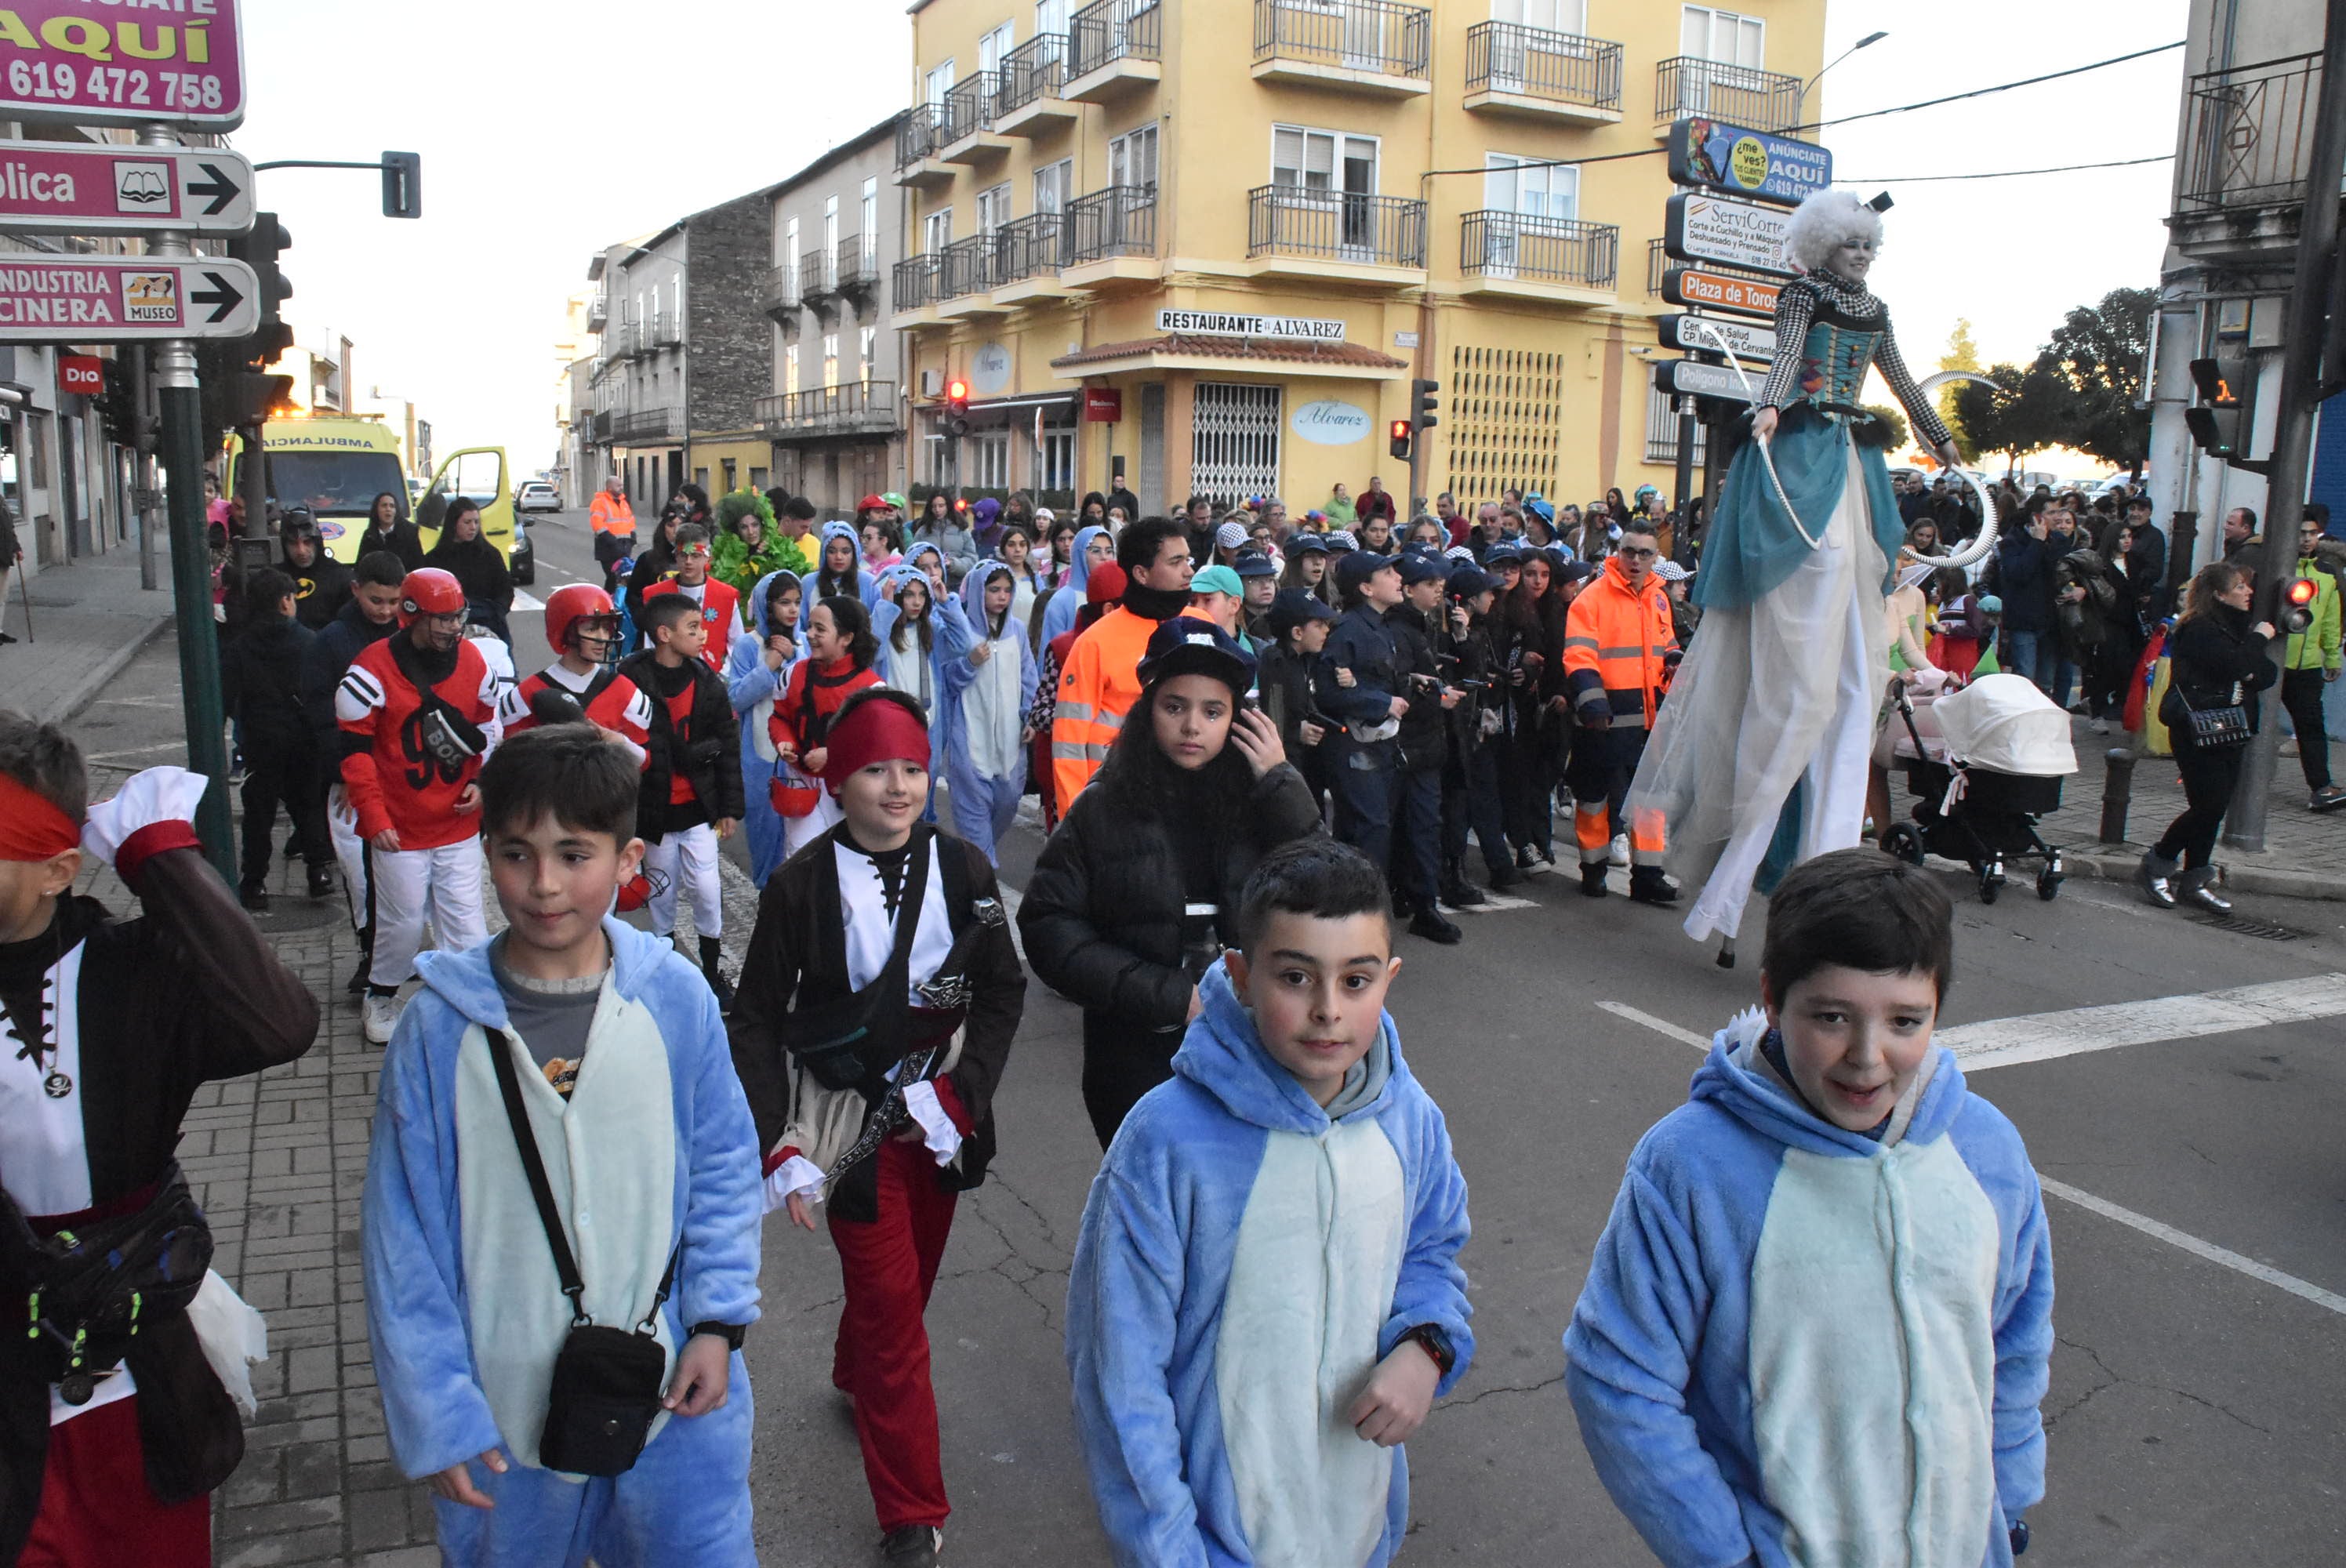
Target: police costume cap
1293 607
1503 552
1218 580
1468 581
1191 644
1254 564
1419 567
1342 539
1571 568
430 591
1307 545
1359 566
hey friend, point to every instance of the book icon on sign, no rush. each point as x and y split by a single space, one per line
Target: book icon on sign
140 186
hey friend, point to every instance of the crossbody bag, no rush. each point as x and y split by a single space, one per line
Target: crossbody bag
2216 727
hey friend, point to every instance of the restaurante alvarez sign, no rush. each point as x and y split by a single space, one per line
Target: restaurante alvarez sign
1223 324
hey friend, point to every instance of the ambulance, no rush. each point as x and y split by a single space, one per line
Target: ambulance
337 466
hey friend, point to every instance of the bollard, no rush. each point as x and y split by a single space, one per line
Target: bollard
2117 790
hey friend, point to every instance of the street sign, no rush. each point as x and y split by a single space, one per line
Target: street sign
1699 228
165 62
1692 378
124 299
1718 291
106 189
1747 162
1749 342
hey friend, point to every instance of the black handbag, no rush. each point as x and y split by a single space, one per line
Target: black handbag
2214 727
606 1386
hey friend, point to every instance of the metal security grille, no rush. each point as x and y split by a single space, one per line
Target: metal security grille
1662 430
1507 413
1234 441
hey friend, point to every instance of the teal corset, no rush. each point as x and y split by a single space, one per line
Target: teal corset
1833 362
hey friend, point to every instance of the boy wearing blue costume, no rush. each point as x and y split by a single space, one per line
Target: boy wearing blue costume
1266 1294
1817 1327
466 1303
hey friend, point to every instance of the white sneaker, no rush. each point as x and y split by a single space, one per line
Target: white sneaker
2101 727
1620 853
382 1017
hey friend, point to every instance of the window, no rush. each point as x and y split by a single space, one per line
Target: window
989 461
870 224
936 231
790 368
758 477
1306 159
1507 421
830 362
1662 429
993 45
940 461
1556 15
1050 16
868 352
1234 441
1723 35
992 207
1132 158
830 241
940 83
727 464
791 253
1056 462
1525 186
1052 184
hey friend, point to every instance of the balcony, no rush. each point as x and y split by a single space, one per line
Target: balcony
818 286
920 137
1115 47
1741 94
780 301
858 408
1557 260
1368 45
2248 146
1537 74
599 313
1027 99
1028 254
602 427
858 269
629 339
969 137
1112 238
966 280
916 282
667 331
645 426
1332 234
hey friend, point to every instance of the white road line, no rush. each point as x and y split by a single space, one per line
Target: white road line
525 601
133 751
2044 1036
1658 1026
2303 1289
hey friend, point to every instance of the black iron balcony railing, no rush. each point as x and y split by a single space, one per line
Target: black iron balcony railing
647 424
965 267
815 279
919 134
1743 95
856 406
2248 136
1335 226
1377 36
1112 30
602 427
1545 250
1031 247
916 280
1120 220
859 265
969 107
1561 68
1033 70
782 297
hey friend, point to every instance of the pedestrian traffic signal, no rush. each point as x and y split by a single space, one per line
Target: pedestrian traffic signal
1400 443
403 185
1422 407
956 408
2223 422
2297 604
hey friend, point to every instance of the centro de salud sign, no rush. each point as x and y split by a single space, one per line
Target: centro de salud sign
123 62
1225 324
1722 157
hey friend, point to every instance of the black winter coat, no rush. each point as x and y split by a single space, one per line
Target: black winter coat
261 684
402 541
325 663
709 756
2211 654
1102 915
1423 729
322 587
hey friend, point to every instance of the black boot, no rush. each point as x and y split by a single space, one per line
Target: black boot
1404 906
254 897
364 971
1503 877
1456 891
712 962
1649 886
321 880
1592 881
1433 926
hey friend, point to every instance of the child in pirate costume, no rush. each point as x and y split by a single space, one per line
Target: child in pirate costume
109 1028
877 1006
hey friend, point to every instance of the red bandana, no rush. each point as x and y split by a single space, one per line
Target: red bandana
878 730
31 828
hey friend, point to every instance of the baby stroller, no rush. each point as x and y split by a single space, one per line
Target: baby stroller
1995 768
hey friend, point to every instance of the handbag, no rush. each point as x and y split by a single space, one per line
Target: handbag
607 1385
792 793
2214 727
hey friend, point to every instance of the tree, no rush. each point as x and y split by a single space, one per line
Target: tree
1963 354
2025 411
2098 354
1891 432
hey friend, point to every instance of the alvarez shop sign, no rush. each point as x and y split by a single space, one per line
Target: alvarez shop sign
1224 324
123 62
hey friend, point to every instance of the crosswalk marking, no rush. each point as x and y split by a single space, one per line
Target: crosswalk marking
2304 1290
1658 1026
524 601
2043 1036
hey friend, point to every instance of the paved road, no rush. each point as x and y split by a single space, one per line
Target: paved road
2199 1225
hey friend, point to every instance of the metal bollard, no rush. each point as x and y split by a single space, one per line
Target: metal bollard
2117 792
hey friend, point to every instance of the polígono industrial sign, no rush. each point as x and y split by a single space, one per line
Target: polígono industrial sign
1750 163
160 61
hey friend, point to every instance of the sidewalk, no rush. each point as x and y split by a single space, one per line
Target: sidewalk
89 619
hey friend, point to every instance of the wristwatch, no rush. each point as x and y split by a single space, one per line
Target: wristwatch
1437 1344
732 1333
2019 1536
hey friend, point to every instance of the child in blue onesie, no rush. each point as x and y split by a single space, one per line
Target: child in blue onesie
627 1084
1817 1327
1265 1296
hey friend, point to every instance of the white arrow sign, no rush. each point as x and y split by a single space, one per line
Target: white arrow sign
107 189
124 299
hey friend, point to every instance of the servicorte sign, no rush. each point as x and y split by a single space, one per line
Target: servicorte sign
1737 233
1223 324
1747 162
123 62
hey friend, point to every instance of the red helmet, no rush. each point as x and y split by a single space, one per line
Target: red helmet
429 591
565 608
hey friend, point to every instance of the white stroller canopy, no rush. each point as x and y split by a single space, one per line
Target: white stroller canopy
2004 724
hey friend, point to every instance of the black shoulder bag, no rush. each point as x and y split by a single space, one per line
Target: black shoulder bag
451 739
607 1381
827 1038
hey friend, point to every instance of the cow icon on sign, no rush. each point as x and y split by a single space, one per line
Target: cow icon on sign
151 295
142 188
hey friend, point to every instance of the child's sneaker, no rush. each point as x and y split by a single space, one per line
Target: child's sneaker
382 1018
914 1546
253 897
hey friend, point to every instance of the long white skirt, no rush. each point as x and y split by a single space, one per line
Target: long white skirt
1779 693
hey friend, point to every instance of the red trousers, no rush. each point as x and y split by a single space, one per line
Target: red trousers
881 1359
96 1509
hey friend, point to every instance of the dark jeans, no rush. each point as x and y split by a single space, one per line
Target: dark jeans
1122 1062
2300 693
1416 854
1469 800
1364 792
2209 777
287 778
1526 786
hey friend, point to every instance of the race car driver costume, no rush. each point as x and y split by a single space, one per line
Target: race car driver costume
582 626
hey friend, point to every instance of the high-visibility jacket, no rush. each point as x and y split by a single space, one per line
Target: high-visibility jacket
2317 646
1614 642
1098 687
611 514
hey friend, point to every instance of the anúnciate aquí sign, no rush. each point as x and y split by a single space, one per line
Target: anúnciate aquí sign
123 62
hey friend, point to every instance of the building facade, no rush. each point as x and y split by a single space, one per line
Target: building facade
835 417
1206 245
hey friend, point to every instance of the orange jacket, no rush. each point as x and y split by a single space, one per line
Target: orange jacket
1101 683
611 514
1614 643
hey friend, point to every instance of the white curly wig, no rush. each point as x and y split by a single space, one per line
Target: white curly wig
1823 221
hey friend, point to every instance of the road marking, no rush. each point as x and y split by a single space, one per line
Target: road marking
1658 1026
133 751
2303 1289
2043 1036
526 601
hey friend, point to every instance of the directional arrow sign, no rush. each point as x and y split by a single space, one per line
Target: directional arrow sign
124 299
123 190
1718 291
1738 233
1749 341
1691 378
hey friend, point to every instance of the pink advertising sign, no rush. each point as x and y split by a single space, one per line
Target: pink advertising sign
105 189
123 62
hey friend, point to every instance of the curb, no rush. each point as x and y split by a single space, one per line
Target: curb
2119 863
82 693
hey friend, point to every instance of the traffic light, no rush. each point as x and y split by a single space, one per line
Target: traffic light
251 398
2223 422
403 185
2297 598
1422 407
261 251
956 421
1400 443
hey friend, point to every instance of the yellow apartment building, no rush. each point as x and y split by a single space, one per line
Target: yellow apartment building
1208 244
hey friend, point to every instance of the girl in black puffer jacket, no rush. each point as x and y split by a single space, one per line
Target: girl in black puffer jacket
2220 658
1136 893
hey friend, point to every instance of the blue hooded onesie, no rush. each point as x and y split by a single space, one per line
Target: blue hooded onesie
982 716
752 687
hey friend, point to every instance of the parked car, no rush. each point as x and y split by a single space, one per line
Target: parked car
537 495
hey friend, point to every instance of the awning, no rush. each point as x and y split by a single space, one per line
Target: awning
1191 352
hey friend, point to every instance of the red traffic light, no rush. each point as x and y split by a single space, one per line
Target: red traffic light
960 504
1400 430
956 391
2301 591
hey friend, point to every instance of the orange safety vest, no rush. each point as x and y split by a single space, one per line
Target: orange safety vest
611 514
1101 683
1616 639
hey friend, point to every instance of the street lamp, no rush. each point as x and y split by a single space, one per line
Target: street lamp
1865 43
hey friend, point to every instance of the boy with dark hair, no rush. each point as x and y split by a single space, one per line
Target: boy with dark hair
114 1428
1766 1369
1266 1291
466 1245
418 713
878 1004
720 606
691 775
371 615
259 688
1100 679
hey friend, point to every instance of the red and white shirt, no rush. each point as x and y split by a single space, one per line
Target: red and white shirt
720 611
391 780
620 708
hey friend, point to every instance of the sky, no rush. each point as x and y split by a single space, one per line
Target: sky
550 131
